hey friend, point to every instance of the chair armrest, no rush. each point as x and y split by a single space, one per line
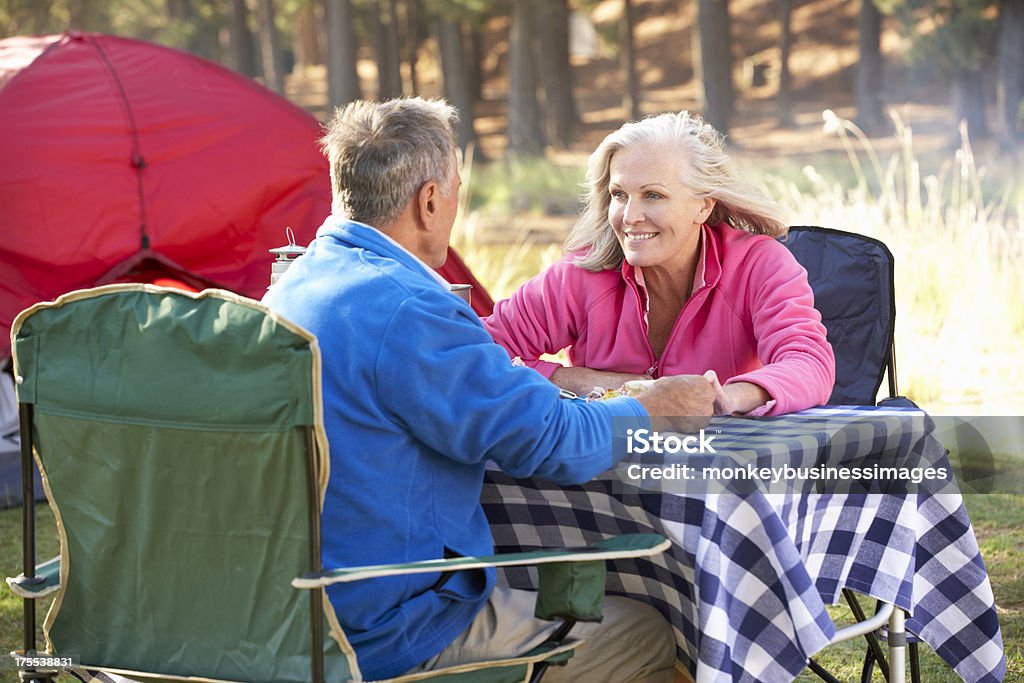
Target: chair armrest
46 581
617 547
897 402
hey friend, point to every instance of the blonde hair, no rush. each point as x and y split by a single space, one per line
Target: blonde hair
704 168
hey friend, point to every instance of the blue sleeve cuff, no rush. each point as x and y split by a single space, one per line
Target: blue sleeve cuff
636 409
628 416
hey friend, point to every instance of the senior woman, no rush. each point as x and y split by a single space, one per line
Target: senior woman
672 269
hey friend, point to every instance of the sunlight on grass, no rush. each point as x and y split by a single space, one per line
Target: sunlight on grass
958 255
503 267
531 186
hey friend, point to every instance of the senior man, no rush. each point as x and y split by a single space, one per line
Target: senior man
417 398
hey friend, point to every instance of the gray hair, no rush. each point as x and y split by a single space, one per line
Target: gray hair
381 153
704 169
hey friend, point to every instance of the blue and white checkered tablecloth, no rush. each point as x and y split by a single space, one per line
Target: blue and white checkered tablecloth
749 574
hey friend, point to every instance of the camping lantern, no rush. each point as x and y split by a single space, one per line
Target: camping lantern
284 257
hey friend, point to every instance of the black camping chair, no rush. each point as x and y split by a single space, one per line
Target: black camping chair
852 279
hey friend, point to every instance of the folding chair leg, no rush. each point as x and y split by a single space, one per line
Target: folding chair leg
874 652
867 669
28 530
822 673
915 664
897 647
28 524
895 670
556 638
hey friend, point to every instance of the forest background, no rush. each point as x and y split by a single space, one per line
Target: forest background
898 119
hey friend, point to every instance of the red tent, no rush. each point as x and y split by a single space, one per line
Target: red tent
122 159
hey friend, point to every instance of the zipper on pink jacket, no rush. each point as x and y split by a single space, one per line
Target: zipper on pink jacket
652 371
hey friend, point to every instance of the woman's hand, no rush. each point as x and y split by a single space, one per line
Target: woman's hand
736 399
581 381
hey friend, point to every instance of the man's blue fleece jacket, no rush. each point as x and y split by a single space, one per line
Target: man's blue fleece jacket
417 398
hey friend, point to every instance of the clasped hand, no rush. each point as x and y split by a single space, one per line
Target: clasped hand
687 402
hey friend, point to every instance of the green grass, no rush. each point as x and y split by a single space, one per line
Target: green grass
998 520
532 186
10 565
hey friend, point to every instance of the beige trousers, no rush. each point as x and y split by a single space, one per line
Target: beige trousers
633 644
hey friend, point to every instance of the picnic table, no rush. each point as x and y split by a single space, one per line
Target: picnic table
754 564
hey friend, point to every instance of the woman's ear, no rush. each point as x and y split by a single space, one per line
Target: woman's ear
705 210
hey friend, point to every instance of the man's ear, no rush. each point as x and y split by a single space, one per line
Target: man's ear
427 201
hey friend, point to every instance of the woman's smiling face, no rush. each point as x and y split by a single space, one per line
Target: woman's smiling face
656 218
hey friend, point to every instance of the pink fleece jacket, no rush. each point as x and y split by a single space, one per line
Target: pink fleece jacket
752 320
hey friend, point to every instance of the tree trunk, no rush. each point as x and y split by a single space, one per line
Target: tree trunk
306 38
206 40
82 15
385 43
201 39
456 85
524 128
1010 85
178 10
556 73
969 102
394 46
243 53
785 95
342 77
475 70
627 59
870 112
413 37
715 64
967 84
33 18
270 46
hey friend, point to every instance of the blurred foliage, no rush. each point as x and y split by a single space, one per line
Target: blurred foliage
533 186
192 25
474 11
953 35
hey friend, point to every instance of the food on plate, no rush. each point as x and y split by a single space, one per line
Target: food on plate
628 389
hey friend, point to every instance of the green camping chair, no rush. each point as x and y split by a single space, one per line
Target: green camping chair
180 438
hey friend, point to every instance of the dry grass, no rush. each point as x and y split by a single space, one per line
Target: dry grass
960 327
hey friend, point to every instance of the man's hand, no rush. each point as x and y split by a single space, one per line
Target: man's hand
682 403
